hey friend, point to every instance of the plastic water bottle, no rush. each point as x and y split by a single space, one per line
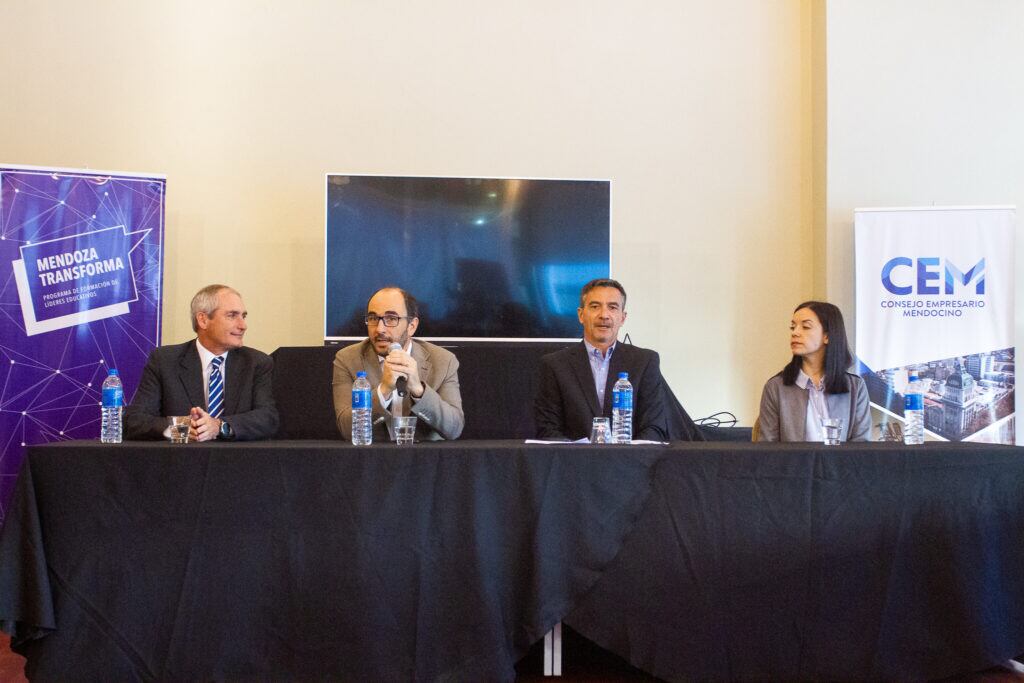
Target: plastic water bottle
913 412
113 406
362 409
622 410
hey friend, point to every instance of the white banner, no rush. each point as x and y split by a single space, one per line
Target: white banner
935 293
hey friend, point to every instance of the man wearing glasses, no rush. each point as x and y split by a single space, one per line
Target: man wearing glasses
431 373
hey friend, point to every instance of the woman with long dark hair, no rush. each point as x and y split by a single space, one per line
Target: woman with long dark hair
816 384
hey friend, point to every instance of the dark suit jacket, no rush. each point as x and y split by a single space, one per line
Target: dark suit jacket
566 403
172 383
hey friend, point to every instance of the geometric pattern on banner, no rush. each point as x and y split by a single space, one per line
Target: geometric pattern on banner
935 294
81 266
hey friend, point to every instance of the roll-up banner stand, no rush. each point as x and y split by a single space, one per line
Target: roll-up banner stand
82 262
935 293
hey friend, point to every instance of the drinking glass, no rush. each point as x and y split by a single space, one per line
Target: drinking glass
601 432
180 425
405 429
832 429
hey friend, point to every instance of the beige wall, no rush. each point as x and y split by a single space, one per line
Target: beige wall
702 114
925 106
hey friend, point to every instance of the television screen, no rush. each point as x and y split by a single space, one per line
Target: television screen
487 258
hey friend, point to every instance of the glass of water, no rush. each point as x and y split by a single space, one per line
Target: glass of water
405 429
601 432
180 424
832 430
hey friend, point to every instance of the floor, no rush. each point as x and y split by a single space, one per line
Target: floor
595 665
12 666
591 664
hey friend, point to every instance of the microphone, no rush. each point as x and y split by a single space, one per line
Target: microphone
403 381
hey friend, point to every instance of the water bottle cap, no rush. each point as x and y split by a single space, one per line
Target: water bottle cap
112 371
361 373
623 375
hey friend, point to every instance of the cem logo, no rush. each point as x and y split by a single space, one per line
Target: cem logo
900 278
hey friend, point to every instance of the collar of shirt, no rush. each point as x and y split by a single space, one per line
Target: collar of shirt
803 381
206 358
593 352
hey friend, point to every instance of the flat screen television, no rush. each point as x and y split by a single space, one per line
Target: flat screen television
495 259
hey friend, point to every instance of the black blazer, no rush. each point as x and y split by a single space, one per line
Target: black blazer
172 383
566 403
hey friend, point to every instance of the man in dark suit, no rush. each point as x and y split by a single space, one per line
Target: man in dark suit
576 382
223 386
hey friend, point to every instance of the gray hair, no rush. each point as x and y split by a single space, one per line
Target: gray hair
602 282
205 301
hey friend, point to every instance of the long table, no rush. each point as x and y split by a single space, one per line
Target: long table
310 560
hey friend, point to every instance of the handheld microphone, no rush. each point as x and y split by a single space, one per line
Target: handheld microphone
403 381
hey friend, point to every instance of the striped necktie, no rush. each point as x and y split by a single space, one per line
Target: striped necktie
216 401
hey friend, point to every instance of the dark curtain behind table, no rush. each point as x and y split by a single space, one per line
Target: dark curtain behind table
798 562
311 561
497 382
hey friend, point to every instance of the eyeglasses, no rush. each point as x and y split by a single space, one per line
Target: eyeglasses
389 320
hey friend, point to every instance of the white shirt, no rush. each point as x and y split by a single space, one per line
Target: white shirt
817 407
206 358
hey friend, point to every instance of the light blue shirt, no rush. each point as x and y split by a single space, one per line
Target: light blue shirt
599 368
817 407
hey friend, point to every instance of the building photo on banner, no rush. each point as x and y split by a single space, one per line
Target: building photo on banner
935 296
82 270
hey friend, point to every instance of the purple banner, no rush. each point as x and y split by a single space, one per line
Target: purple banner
82 265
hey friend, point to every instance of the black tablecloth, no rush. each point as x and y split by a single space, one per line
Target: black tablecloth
305 560
310 560
799 562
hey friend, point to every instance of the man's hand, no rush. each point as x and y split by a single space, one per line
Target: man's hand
401 364
204 427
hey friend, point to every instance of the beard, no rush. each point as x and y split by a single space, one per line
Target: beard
402 340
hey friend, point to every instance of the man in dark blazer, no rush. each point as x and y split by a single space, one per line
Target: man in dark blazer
222 385
576 382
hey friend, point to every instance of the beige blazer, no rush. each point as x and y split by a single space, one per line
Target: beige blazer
439 409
